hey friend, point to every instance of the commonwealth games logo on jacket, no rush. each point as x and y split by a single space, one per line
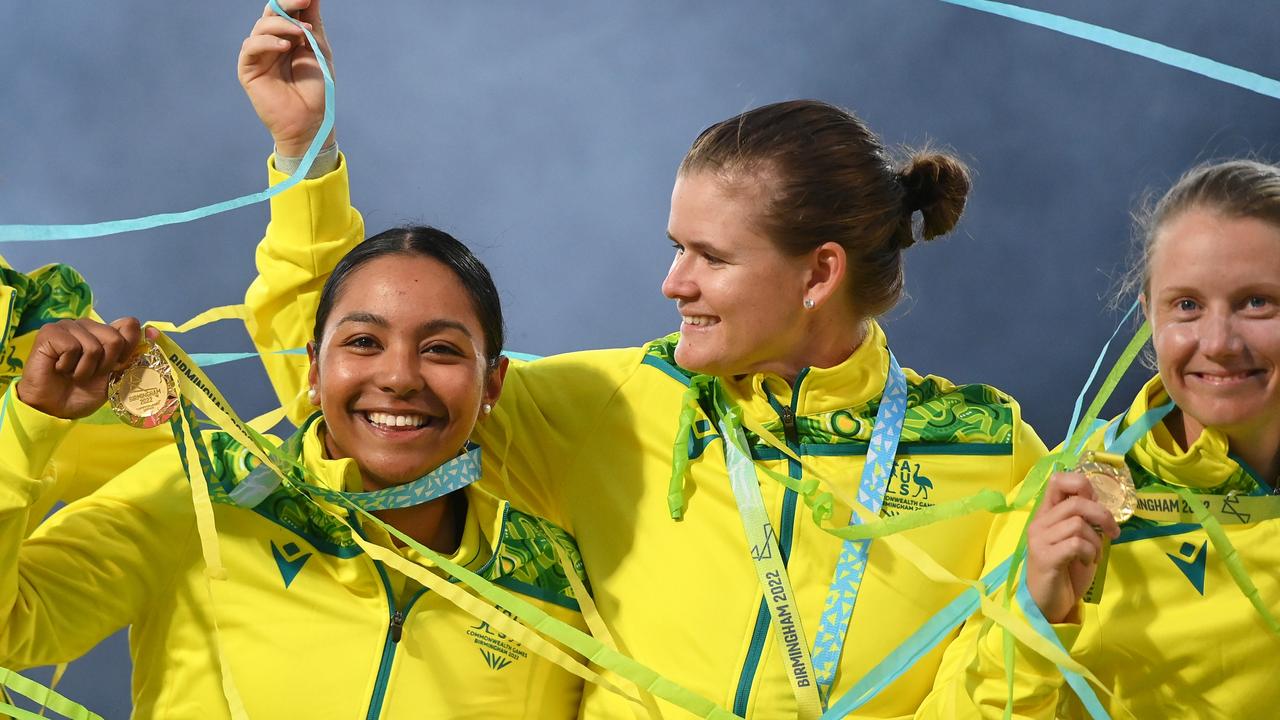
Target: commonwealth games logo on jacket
496 648
909 488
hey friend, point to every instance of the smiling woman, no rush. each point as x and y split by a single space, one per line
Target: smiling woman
405 360
688 463
1209 279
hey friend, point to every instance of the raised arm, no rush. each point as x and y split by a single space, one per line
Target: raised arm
313 224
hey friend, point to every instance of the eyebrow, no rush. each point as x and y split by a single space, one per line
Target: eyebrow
697 245
430 327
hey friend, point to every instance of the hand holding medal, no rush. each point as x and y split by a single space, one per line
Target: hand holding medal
1068 537
72 365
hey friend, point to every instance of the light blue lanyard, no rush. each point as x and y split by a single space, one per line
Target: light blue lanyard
455 474
852 565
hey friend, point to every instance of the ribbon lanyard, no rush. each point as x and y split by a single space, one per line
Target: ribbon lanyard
455 474
1173 507
767 557
850 569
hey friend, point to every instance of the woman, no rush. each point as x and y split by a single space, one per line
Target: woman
1171 634
789 225
405 358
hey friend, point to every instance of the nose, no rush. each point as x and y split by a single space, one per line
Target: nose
399 372
1219 336
679 283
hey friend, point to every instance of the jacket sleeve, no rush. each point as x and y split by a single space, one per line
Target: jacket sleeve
549 409
312 226
971 680
90 568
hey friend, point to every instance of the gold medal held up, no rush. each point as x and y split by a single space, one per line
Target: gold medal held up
144 394
1112 483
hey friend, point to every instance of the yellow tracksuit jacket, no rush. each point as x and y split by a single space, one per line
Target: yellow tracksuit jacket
586 439
100 447
311 627
1173 637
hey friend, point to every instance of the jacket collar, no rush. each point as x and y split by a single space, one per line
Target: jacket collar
481 532
856 381
1205 465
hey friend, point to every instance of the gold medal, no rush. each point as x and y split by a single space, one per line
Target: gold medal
144 394
1112 483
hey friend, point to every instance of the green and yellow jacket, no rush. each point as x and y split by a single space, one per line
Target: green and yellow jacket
586 439
310 625
1173 636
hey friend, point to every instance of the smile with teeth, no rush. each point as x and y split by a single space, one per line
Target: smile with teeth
389 421
1221 378
700 320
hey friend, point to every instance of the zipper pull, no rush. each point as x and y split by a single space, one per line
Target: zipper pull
397 626
789 425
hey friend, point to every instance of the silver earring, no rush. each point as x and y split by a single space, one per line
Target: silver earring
486 408
313 396
808 303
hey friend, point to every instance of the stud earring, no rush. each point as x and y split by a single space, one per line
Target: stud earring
486 408
313 396
808 303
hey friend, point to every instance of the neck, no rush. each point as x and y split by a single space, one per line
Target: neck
829 341
1259 447
437 524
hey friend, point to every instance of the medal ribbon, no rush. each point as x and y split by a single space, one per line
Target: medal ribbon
847 579
455 474
766 556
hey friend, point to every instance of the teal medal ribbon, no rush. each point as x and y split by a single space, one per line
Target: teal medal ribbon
851 567
455 474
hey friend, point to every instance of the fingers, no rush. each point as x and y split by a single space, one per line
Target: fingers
293 7
1067 484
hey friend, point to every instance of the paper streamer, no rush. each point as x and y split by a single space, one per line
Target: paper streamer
1131 44
36 233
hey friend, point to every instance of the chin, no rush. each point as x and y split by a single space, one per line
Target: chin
697 360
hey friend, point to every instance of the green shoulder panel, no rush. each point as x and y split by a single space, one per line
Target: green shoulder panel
527 563
231 463
662 353
51 293
938 413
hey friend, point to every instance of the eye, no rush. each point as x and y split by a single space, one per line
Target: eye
678 247
1186 305
362 342
440 348
1257 302
712 260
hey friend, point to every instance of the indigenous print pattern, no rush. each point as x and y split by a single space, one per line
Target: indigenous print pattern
938 412
524 559
51 293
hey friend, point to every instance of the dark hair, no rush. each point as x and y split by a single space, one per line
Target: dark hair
1233 188
827 178
426 242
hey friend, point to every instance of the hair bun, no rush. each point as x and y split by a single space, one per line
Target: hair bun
937 185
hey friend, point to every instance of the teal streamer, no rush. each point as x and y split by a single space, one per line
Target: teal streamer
921 642
35 233
1131 44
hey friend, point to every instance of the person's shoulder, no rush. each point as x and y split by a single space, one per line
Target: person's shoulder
941 411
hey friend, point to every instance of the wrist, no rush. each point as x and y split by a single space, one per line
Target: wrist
326 161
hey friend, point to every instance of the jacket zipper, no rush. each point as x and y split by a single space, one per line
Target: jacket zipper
395 631
787 413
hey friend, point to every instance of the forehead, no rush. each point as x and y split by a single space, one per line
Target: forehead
409 289
1209 250
708 208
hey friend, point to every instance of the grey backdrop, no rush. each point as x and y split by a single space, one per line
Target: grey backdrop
546 136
